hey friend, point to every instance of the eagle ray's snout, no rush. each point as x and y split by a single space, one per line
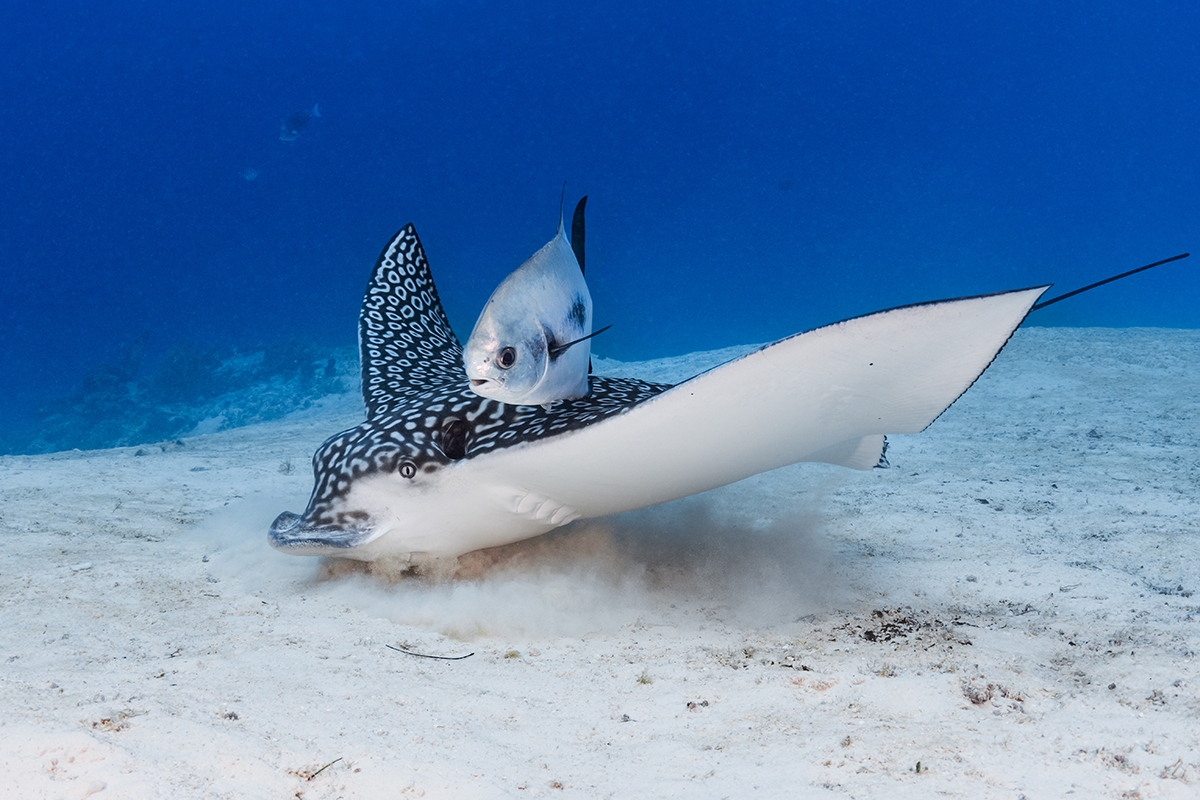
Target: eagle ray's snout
285 523
291 534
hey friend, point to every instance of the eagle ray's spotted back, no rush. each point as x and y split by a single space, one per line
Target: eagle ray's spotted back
405 340
421 412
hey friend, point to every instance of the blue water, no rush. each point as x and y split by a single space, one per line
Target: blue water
751 173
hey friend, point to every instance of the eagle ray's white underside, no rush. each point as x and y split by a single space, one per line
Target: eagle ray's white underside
829 395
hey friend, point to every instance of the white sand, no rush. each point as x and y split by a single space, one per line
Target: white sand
1011 605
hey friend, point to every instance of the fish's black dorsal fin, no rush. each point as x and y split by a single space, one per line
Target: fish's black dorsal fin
404 337
577 233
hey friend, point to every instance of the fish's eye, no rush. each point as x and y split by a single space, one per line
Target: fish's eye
408 469
507 357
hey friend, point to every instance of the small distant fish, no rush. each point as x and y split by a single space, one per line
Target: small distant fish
294 124
531 345
249 173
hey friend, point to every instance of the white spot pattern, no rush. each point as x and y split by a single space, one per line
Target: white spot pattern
420 410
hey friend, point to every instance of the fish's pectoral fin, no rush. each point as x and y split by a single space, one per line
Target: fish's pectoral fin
557 350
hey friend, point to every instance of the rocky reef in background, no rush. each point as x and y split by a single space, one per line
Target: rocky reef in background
191 389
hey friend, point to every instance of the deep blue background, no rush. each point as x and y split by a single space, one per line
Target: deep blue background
751 172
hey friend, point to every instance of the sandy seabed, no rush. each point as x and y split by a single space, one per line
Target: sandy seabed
1008 611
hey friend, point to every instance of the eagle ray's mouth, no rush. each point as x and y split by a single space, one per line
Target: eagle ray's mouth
290 534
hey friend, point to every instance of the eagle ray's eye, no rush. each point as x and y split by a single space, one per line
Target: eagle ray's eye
507 357
408 469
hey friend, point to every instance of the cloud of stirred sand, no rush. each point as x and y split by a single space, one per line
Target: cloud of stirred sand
596 575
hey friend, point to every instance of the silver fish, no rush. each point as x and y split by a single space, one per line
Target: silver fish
531 345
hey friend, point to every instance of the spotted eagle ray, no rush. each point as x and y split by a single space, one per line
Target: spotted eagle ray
438 471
